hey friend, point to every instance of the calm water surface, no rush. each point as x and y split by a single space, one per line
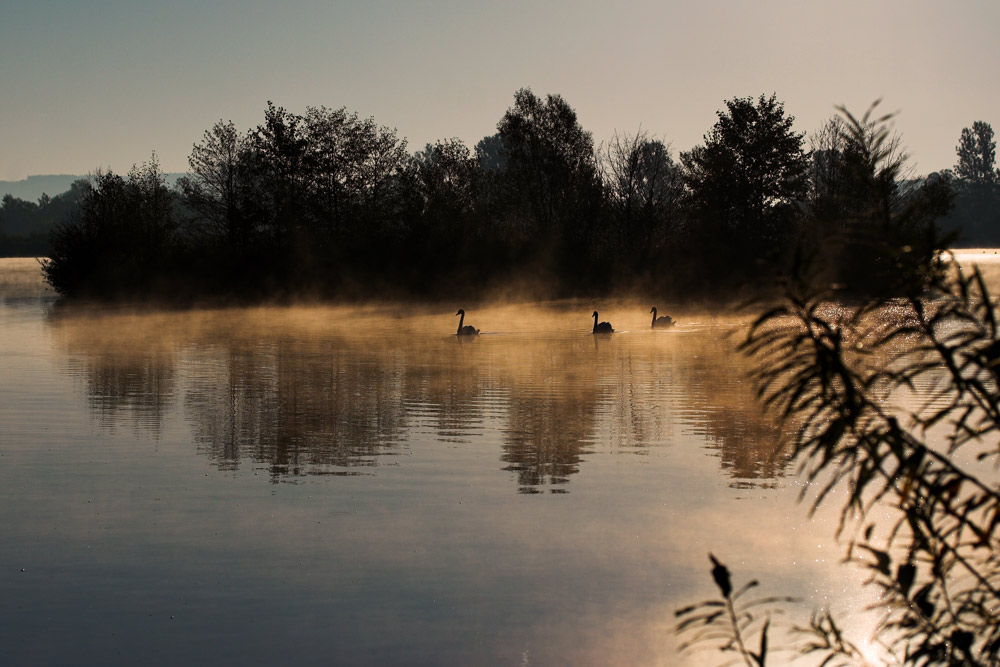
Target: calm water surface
358 486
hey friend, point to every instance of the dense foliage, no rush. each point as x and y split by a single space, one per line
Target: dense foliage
120 241
744 190
877 227
326 203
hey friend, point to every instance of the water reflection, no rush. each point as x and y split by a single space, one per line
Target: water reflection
725 412
299 408
128 370
324 390
553 411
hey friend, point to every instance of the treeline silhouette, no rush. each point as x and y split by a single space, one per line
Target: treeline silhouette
329 204
25 226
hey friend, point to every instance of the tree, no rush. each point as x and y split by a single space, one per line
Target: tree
17 216
278 150
550 163
213 187
976 216
62 205
446 175
440 192
977 155
826 179
379 158
643 188
490 153
871 165
329 166
744 187
121 239
879 228
25 227
497 200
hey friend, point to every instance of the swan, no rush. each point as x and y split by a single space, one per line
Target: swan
466 330
603 327
661 322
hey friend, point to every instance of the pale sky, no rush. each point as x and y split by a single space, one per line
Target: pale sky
104 83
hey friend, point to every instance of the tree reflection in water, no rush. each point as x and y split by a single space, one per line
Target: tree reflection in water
725 412
323 390
297 408
128 368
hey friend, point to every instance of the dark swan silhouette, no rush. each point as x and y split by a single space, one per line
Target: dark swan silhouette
467 330
603 327
661 322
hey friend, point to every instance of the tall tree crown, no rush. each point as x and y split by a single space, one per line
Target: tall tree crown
751 165
977 152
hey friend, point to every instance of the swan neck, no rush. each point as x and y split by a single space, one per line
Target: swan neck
461 318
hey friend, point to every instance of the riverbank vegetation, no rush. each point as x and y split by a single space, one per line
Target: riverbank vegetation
332 205
893 409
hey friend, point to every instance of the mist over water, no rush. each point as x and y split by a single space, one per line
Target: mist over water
310 390
359 485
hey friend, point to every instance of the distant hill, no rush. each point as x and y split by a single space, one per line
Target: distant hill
31 188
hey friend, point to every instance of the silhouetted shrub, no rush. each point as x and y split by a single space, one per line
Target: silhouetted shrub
920 498
120 242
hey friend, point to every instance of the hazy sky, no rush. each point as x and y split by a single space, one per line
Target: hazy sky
104 83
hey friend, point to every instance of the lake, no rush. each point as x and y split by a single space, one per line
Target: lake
329 485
